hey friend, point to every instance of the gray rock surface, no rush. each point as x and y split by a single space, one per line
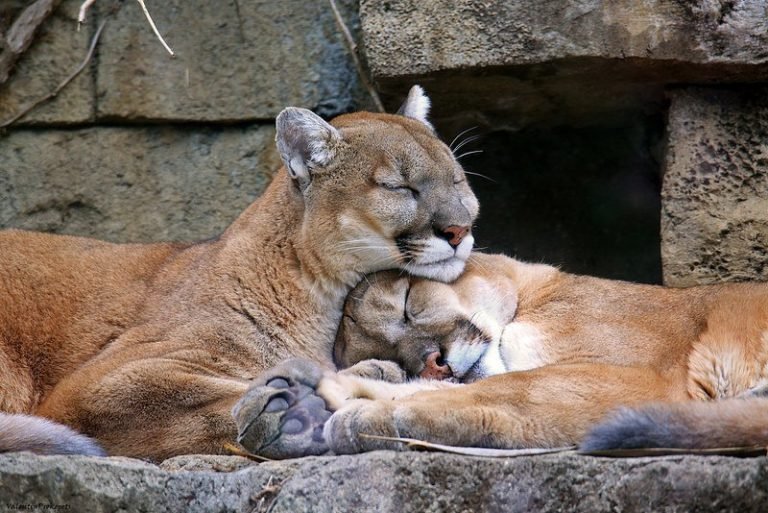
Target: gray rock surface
389 482
133 184
235 61
421 36
516 62
57 50
715 193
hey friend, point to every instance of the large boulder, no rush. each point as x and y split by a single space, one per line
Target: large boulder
715 195
385 482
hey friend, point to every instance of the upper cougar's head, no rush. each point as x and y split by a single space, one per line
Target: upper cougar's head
380 191
431 329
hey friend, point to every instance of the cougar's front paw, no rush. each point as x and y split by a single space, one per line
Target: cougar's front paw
281 416
354 427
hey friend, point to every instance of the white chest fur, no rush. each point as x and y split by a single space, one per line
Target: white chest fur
522 346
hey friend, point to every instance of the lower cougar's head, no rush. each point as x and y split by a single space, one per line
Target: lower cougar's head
432 329
379 191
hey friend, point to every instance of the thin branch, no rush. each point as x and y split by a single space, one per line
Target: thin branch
154 28
88 3
237 451
352 46
81 13
63 84
21 34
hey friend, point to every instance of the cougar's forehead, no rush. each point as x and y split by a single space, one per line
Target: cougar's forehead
377 298
398 139
386 298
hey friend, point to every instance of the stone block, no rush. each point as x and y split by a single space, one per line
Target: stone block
58 49
714 222
517 63
235 61
133 184
413 37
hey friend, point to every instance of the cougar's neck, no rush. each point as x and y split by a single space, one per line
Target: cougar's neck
266 252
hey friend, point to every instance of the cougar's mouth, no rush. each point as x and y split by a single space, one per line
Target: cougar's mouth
434 258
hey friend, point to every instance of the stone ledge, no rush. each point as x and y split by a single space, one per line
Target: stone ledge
388 482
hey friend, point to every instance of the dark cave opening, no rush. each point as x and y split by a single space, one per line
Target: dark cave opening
585 198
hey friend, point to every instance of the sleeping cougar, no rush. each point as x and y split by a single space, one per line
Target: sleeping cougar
147 347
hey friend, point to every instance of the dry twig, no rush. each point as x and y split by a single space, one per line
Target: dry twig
21 34
352 46
88 3
267 496
63 84
234 450
81 13
154 28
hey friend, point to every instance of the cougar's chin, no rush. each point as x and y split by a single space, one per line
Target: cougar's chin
445 270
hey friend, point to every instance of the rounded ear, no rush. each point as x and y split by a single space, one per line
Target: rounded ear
305 141
416 106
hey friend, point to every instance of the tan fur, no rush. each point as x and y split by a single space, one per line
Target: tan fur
147 348
598 344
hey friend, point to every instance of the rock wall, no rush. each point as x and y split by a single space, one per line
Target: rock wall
142 147
161 182
715 196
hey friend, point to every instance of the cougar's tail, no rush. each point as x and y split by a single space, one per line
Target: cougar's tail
692 425
42 436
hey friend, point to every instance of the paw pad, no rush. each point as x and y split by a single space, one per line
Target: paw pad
281 415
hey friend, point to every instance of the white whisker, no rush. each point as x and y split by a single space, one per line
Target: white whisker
465 142
468 153
478 174
476 262
358 249
396 260
361 242
459 136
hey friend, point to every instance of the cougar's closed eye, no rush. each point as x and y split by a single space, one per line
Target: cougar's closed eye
398 187
471 333
406 316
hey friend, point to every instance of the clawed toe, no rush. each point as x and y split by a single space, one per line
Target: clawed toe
382 370
347 431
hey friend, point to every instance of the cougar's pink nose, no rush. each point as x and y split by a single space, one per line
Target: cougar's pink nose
454 234
435 367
